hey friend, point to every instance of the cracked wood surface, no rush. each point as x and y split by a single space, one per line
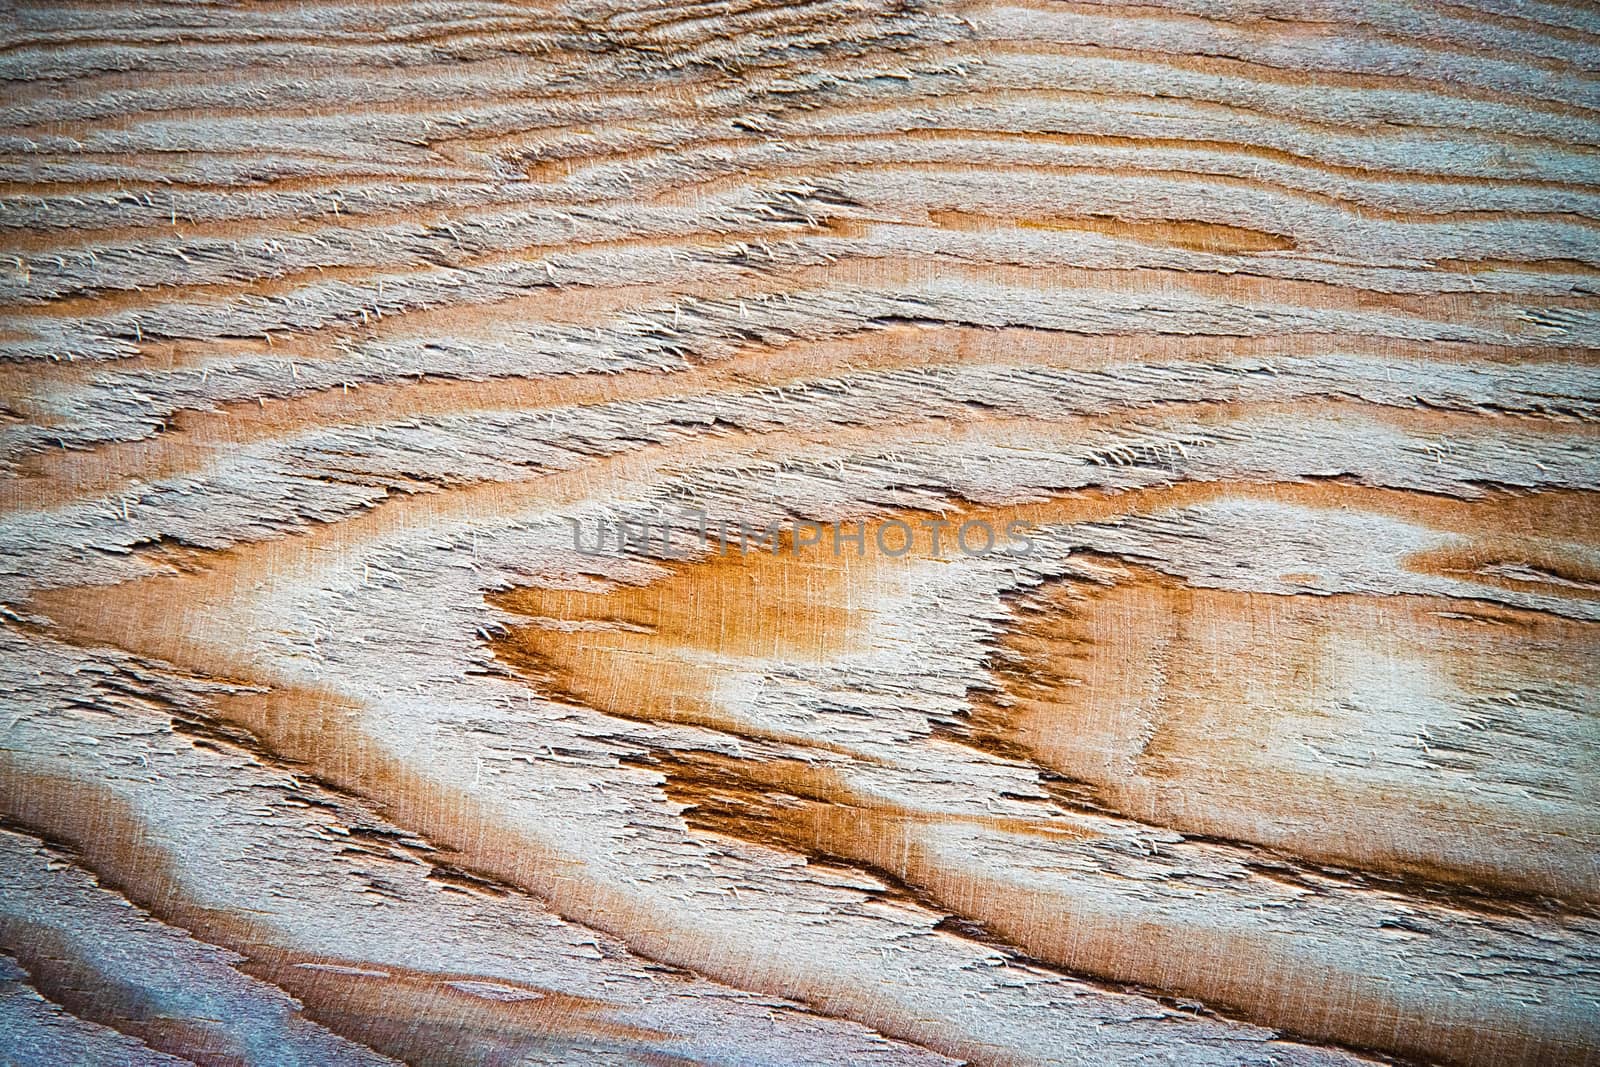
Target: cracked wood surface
1275 326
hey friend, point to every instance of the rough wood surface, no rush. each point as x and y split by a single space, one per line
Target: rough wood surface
327 325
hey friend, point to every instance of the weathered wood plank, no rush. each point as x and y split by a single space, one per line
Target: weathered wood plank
1167 435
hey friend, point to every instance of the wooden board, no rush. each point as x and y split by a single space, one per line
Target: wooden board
1124 557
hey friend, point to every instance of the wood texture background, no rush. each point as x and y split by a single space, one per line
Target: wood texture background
321 744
